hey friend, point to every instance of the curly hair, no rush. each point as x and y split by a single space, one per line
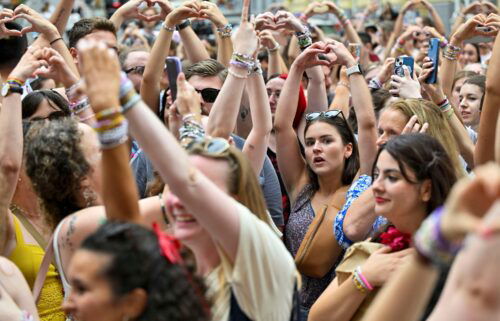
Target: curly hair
56 165
137 262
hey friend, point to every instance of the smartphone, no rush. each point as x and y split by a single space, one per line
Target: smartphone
355 49
174 67
404 61
483 28
434 56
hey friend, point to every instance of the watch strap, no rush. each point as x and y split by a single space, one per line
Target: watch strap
356 69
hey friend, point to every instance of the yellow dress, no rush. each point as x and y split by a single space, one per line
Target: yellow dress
28 258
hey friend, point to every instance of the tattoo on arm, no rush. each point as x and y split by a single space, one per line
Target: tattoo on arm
69 234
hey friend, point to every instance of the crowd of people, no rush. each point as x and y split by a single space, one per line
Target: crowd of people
164 164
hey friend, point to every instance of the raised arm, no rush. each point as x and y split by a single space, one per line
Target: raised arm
290 161
101 72
224 113
129 10
150 87
213 208
350 32
255 147
342 94
363 106
438 22
398 27
11 142
210 11
449 65
273 52
61 15
50 36
485 146
465 144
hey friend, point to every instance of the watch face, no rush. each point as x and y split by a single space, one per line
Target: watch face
5 89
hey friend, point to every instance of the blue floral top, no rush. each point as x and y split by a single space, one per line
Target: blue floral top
357 187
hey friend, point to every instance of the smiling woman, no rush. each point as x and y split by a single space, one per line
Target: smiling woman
412 176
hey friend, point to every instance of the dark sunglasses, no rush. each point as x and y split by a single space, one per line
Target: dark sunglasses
325 114
52 116
209 95
136 70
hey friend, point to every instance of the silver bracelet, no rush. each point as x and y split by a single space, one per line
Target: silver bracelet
171 29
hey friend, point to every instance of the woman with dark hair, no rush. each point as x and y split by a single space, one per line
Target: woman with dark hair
47 103
412 176
120 272
470 55
332 159
471 100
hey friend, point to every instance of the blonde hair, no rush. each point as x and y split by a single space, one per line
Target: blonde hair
439 128
242 183
243 186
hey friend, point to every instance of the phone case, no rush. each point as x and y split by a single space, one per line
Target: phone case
403 61
434 56
174 67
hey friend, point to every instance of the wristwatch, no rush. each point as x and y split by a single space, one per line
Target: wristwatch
8 89
356 69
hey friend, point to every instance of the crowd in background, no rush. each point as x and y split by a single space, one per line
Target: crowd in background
164 164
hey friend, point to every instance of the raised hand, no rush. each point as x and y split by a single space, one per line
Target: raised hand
189 9
37 21
286 20
469 29
6 15
386 71
473 8
130 10
405 87
246 41
211 11
188 100
165 9
264 21
29 63
267 40
469 200
434 91
309 57
101 70
342 54
58 69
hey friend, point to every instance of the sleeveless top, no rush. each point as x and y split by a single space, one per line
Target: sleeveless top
301 216
28 258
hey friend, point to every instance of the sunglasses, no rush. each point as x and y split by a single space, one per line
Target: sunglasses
209 95
210 147
136 70
52 116
325 114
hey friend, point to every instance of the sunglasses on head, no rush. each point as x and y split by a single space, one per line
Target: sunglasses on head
325 114
211 147
209 95
136 70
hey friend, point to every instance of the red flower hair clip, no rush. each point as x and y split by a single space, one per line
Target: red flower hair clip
396 239
169 245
